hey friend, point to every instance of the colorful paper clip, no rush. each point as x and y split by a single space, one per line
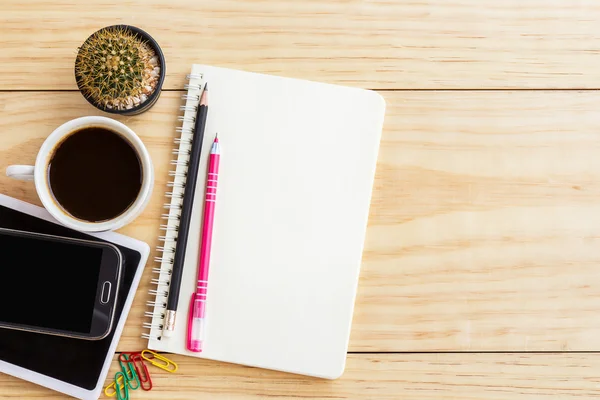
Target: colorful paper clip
121 389
142 371
111 390
133 368
129 371
166 365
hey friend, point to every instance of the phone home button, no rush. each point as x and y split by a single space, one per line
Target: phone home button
105 294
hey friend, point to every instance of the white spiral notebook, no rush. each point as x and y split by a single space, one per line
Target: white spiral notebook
297 169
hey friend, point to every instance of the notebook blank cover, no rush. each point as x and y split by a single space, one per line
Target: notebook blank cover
297 169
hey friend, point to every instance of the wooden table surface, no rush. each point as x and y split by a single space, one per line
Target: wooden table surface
481 272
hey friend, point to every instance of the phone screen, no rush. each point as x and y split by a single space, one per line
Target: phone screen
48 284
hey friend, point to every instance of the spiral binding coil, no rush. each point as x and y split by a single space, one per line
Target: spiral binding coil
152 315
170 229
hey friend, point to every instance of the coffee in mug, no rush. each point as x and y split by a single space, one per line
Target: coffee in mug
95 174
92 174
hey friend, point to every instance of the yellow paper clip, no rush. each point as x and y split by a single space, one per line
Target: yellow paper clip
111 390
166 364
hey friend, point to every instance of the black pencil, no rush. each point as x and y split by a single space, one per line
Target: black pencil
186 214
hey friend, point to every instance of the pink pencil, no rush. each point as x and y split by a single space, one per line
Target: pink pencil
196 320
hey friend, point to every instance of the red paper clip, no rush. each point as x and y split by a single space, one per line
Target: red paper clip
139 365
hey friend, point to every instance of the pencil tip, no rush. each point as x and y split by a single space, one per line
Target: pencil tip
204 97
217 137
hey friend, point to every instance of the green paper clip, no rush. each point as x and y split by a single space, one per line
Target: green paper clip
122 390
129 371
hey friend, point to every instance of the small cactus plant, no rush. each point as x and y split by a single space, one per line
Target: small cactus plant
116 69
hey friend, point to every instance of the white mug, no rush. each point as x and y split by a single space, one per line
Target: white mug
39 174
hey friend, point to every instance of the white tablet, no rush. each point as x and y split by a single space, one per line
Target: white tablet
74 367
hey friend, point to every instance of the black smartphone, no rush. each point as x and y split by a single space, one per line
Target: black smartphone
56 285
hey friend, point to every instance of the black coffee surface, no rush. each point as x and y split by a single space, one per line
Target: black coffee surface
95 174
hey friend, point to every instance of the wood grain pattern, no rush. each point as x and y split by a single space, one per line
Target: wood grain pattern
484 226
484 230
381 44
381 377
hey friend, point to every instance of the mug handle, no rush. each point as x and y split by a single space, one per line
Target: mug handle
20 172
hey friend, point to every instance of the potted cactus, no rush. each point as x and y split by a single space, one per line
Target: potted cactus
120 69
